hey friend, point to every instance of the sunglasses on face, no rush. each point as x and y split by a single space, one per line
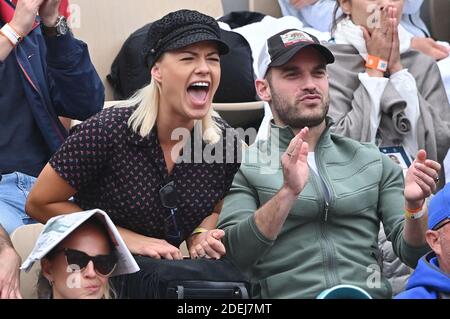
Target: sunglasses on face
104 265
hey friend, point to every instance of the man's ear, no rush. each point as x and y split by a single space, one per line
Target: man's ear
263 90
156 72
433 239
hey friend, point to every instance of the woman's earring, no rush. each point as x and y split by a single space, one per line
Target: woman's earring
51 283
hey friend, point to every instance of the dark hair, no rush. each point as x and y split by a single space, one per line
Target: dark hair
336 19
268 76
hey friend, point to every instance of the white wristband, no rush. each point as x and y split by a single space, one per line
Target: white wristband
11 34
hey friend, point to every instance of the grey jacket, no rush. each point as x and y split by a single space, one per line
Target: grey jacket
350 103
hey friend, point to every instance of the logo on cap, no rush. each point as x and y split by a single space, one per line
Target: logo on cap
293 37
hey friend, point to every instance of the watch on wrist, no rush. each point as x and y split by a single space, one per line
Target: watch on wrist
60 28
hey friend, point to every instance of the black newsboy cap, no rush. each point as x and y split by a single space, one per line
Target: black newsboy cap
179 29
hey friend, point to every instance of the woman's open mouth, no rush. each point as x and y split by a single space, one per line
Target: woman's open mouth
199 93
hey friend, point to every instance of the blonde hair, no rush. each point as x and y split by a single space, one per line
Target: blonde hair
44 286
144 117
110 292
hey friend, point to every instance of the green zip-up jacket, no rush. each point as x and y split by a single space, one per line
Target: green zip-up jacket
323 243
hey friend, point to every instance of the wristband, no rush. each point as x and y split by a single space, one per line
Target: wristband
7 38
414 216
414 213
11 34
199 230
376 63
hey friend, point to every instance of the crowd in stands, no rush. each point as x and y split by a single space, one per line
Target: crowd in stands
313 204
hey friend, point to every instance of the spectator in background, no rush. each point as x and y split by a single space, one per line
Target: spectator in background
78 254
411 19
421 39
431 278
49 73
90 253
45 73
318 14
382 92
9 268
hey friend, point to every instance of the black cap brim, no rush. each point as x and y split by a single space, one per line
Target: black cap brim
294 49
189 39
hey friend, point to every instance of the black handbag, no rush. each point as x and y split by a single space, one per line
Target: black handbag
192 289
183 279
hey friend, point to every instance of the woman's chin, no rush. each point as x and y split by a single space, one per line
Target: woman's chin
197 113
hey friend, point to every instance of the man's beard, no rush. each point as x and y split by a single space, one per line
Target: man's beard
291 114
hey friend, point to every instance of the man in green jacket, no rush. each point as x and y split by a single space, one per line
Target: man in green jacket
304 209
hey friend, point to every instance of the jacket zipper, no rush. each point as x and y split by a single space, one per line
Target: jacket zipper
27 76
330 253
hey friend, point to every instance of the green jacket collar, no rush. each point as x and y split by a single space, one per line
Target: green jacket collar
282 136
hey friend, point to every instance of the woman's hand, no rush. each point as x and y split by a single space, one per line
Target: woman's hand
25 15
159 249
430 47
394 64
207 245
379 42
149 246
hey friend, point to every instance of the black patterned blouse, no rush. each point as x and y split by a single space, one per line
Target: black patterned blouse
118 171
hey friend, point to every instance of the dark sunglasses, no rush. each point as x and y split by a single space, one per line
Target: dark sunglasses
169 199
104 265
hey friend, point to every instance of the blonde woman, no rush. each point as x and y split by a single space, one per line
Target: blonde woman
91 257
79 253
158 184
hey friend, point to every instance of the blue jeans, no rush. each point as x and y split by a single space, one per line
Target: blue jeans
14 189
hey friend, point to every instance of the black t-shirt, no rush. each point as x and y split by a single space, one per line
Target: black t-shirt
120 172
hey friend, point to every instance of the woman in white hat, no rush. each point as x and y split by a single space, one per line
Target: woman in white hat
78 254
